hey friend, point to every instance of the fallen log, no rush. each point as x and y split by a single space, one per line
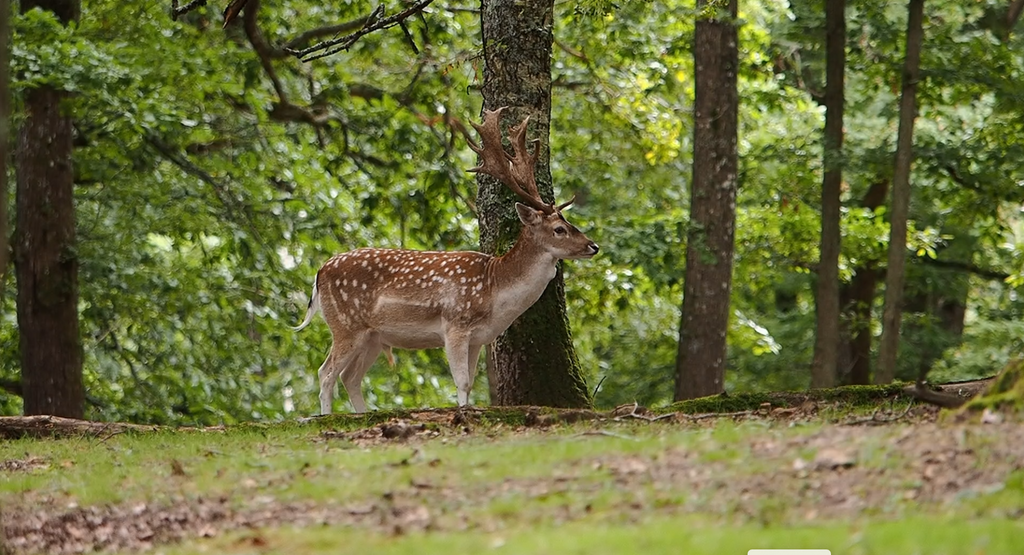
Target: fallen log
44 425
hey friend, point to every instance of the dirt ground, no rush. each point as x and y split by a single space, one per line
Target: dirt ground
918 461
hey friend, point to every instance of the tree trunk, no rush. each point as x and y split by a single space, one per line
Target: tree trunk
940 296
826 345
894 275
5 135
45 259
700 365
858 300
533 361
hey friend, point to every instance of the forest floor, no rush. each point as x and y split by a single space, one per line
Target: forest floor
878 474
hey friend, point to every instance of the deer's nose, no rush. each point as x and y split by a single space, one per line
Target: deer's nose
593 247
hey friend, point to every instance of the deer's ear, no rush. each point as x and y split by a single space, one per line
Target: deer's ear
528 215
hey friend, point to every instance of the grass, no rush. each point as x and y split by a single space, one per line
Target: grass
589 487
660 535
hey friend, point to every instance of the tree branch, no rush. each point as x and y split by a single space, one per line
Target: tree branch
262 48
301 39
1013 14
231 12
219 189
177 12
333 46
11 386
964 267
283 110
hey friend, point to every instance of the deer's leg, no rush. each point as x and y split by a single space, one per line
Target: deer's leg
352 375
343 351
327 375
456 347
474 361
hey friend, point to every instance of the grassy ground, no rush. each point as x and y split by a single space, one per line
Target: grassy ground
861 482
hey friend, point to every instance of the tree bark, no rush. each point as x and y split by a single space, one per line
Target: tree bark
858 299
45 259
894 277
5 135
534 362
826 345
701 361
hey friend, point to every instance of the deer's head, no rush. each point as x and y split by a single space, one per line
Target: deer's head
543 223
555 234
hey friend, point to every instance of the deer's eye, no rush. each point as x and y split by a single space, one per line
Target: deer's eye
560 230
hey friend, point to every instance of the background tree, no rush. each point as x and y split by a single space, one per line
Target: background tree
700 369
46 256
5 134
894 276
826 346
534 362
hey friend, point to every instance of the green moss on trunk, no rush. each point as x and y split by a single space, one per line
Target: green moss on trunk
533 361
1005 394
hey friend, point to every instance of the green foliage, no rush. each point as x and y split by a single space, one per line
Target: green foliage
207 199
987 347
203 214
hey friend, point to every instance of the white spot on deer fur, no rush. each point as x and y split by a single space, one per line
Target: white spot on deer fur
344 282
337 282
344 296
462 280
355 283
364 285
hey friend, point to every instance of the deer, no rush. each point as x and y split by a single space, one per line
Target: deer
377 299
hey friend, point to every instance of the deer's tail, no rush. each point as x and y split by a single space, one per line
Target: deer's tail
312 308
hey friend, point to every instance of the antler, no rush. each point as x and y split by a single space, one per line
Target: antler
515 171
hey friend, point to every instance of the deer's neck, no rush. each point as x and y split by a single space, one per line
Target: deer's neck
519 277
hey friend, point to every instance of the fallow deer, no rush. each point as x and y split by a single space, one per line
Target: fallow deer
376 299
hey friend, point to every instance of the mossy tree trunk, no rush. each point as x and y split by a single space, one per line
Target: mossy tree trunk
533 362
700 365
44 254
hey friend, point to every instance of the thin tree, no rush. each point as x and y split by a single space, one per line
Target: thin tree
533 361
700 365
5 135
826 345
894 276
44 248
